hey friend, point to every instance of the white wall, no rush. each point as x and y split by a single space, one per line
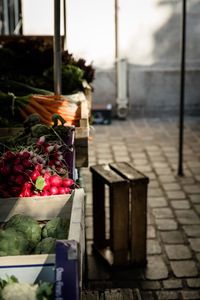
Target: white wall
91 27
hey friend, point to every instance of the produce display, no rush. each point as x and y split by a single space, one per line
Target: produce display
37 162
12 289
23 235
18 108
26 74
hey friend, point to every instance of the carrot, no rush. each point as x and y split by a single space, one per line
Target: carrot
40 109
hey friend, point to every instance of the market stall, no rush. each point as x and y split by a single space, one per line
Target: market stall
44 141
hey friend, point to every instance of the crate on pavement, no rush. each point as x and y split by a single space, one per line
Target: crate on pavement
126 244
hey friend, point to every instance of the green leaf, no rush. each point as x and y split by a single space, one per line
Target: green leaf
40 183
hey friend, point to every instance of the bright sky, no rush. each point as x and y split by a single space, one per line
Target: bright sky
91 27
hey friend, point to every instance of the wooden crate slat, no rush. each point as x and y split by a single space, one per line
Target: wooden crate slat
126 170
106 173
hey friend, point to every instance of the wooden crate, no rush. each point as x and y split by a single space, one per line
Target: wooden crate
33 268
126 244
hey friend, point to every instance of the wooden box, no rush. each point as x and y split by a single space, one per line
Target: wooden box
33 268
124 242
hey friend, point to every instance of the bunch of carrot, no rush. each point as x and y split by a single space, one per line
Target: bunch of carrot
47 105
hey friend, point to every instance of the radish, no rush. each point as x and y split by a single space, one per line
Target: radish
18 169
47 185
53 190
5 170
61 190
40 141
45 193
67 182
55 180
34 175
19 179
25 154
27 164
67 190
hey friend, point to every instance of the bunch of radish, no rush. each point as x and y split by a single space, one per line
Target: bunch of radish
28 173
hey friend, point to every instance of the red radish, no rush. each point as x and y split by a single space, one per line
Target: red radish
19 179
25 193
25 154
45 193
67 182
61 190
47 174
9 155
27 185
47 185
53 190
17 161
55 180
27 164
5 170
67 190
38 168
40 141
34 175
18 169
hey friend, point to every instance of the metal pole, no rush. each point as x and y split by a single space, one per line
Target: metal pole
182 91
57 49
116 31
5 17
65 23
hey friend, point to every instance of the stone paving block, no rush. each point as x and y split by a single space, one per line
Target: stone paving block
151 285
153 247
147 295
158 272
164 171
195 244
151 232
192 230
180 204
192 189
195 198
167 178
178 252
184 268
187 216
157 201
162 213
171 186
175 195
167 295
197 208
172 237
193 282
172 284
166 224
190 295
155 192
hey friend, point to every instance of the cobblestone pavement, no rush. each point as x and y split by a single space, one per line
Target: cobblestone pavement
173 230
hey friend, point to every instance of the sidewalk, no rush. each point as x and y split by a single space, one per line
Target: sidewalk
173 232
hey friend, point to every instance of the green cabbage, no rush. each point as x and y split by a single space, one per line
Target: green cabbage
46 246
56 228
12 242
26 225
